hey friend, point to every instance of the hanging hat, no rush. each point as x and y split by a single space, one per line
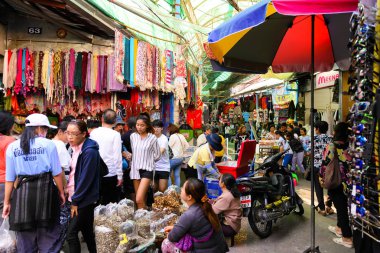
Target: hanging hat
215 141
119 121
37 119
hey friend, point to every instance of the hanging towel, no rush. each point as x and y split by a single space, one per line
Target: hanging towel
5 68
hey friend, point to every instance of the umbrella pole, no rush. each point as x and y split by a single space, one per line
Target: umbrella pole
312 248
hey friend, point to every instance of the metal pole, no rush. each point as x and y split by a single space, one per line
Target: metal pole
312 248
312 208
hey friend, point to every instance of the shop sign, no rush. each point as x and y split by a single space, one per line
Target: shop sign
283 94
34 30
326 79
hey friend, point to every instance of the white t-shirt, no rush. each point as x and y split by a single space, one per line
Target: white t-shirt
178 144
109 142
201 140
64 156
163 164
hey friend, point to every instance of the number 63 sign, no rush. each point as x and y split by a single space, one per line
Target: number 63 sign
34 30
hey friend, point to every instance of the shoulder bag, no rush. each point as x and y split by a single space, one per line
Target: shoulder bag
332 177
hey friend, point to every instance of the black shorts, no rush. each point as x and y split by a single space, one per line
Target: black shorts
146 174
161 175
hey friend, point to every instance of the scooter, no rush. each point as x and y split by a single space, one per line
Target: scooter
266 198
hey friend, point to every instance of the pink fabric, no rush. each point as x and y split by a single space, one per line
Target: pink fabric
73 164
18 84
71 68
88 74
309 7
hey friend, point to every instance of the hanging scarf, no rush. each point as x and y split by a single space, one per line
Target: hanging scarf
12 68
78 71
127 59
18 84
119 55
94 73
88 75
36 60
104 74
84 71
71 68
149 66
5 68
132 62
39 69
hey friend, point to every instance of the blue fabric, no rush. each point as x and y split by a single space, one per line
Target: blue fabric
87 175
23 67
132 63
250 17
127 60
124 161
42 158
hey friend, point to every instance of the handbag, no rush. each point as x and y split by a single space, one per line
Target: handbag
332 177
186 242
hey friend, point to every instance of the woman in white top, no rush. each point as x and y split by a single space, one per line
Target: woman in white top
178 145
60 141
145 154
162 169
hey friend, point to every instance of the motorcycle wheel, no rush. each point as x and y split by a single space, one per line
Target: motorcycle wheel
300 211
260 228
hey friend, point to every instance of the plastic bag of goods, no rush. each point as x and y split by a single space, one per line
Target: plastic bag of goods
107 239
142 219
100 218
158 225
126 243
169 203
128 228
173 190
111 209
7 238
144 243
125 210
127 202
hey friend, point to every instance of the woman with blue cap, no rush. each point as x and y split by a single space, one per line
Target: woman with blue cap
203 158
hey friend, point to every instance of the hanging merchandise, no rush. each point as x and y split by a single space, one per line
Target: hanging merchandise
364 183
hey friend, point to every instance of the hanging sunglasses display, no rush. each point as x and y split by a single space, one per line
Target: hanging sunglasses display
364 176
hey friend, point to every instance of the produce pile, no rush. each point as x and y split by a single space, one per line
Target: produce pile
119 228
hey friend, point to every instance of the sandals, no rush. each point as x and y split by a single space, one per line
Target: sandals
333 230
345 244
329 210
321 212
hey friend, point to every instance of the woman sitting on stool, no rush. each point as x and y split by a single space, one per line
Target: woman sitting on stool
228 205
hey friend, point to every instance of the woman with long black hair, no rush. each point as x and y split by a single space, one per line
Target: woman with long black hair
228 204
199 222
339 148
32 162
145 154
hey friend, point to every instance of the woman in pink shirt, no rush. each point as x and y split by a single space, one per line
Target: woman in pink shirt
6 125
228 205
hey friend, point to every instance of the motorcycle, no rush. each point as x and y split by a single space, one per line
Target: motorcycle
266 198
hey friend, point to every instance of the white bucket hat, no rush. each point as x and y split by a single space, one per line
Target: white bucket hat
37 119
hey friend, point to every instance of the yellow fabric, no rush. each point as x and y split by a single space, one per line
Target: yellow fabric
222 47
135 47
221 153
201 156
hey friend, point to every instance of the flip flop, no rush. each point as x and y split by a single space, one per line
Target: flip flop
332 230
341 242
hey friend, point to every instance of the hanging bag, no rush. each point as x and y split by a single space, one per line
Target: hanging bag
332 177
